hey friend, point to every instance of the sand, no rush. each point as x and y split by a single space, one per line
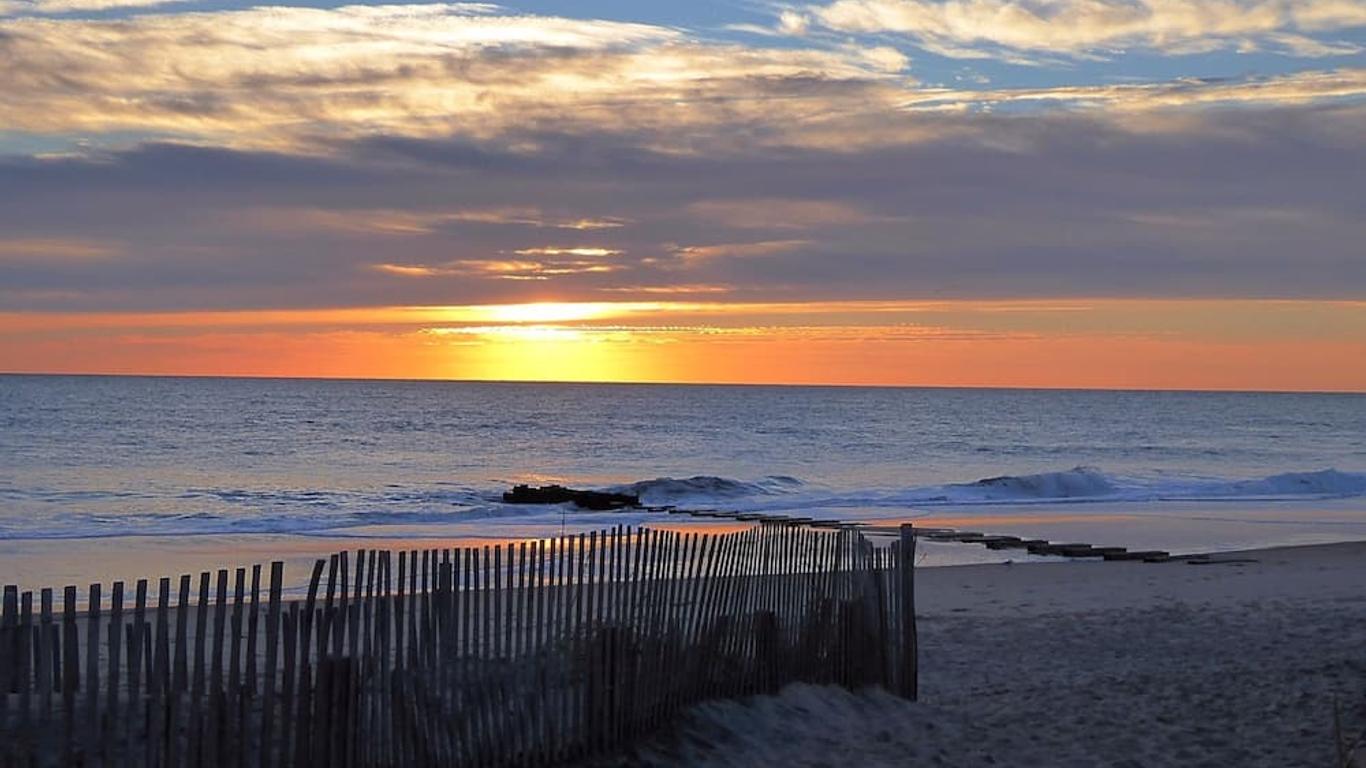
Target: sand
1086 664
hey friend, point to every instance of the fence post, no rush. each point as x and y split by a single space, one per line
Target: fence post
905 567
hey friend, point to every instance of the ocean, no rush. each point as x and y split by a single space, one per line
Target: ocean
103 459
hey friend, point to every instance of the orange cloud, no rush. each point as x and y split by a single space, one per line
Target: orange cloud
56 248
382 221
501 269
567 251
739 250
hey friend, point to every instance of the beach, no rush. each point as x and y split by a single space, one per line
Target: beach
1238 660
1026 660
1086 664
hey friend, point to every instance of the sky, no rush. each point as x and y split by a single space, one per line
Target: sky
1038 193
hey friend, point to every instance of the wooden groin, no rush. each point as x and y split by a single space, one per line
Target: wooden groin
527 653
1071 550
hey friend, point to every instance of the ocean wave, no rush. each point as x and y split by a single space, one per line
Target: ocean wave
705 488
1071 486
311 512
1325 482
1076 483
1081 484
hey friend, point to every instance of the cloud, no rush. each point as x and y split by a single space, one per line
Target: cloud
1298 88
777 213
678 289
504 88
43 249
567 251
394 222
738 250
339 222
55 7
501 269
972 28
1308 47
1081 191
532 217
791 22
884 57
409 70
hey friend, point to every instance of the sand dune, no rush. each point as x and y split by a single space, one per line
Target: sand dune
1086 664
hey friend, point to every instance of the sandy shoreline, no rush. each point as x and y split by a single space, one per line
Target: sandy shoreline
1177 528
1088 664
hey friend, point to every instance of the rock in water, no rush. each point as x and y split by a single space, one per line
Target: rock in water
558 494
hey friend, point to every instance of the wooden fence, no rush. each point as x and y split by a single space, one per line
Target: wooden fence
530 653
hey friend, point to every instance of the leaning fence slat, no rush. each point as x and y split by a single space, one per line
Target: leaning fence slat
159 681
685 631
288 674
302 687
9 666
265 748
324 617
44 657
523 643
180 663
25 672
487 579
197 667
711 624
524 627
134 647
906 573
718 610
361 715
70 676
423 610
108 726
673 578
384 639
678 583
414 604
407 601
232 743
609 635
499 585
90 715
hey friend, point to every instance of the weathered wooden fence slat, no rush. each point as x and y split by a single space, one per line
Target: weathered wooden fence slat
525 653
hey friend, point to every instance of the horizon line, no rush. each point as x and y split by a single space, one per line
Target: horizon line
608 382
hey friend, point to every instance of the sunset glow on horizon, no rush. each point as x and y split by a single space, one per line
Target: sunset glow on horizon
1075 193
1162 344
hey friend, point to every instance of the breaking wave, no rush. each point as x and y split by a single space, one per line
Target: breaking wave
1327 482
705 488
1091 484
1081 482
1076 485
